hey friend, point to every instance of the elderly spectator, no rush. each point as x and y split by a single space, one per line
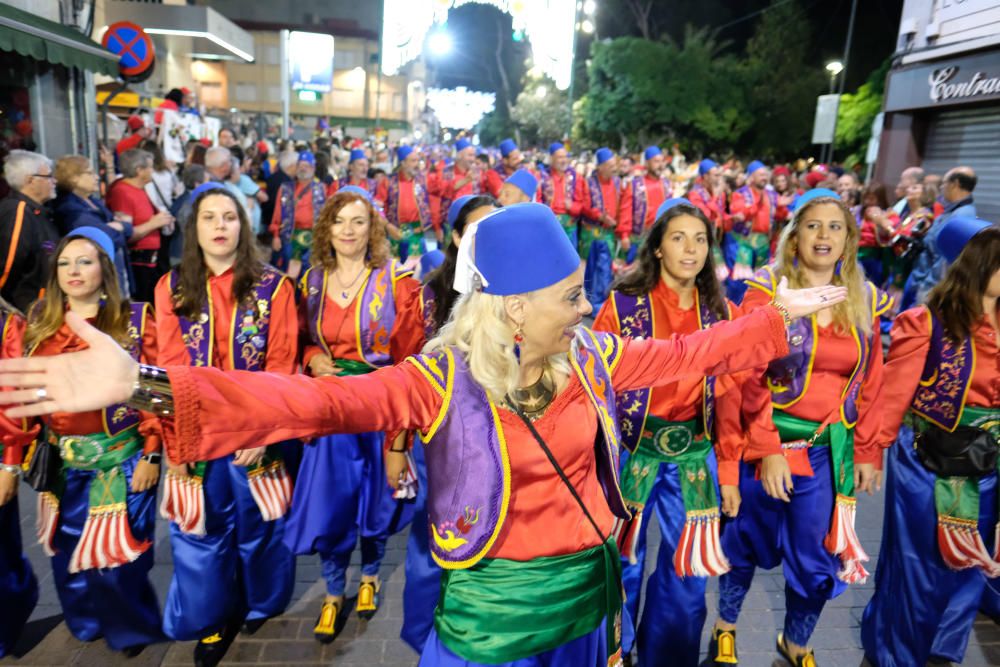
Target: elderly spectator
127 198
910 176
847 184
78 204
27 234
219 165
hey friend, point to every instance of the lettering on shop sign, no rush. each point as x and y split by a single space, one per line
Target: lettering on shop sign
971 79
944 86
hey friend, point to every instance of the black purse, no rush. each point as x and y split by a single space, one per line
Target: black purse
44 464
965 452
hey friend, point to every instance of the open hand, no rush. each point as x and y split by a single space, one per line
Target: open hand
776 476
809 300
249 457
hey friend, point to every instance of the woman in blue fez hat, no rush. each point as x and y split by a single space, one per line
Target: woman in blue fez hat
672 290
939 555
510 396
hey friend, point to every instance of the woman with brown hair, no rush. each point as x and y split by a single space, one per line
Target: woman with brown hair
939 538
908 241
223 307
359 312
877 224
96 518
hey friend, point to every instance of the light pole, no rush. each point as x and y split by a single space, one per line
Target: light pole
589 9
843 79
834 68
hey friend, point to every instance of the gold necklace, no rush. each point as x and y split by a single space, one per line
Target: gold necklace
534 399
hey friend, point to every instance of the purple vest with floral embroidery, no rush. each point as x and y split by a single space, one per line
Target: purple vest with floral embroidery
120 417
946 378
569 188
427 303
287 200
419 194
468 464
640 202
744 228
597 196
635 317
248 333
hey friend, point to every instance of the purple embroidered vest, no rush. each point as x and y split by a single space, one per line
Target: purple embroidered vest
468 464
946 378
374 316
419 194
569 188
635 316
248 330
788 377
427 305
597 197
640 201
746 227
120 417
447 176
286 199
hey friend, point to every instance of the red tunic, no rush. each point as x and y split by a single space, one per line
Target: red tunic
282 337
871 236
681 400
304 217
758 211
218 413
408 209
656 194
494 181
82 423
618 206
14 433
835 358
714 208
125 198
559 205
911 341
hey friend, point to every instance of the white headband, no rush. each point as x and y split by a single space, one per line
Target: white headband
467 276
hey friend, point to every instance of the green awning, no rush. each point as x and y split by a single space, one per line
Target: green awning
41 39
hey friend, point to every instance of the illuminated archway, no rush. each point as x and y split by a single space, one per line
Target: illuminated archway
548 25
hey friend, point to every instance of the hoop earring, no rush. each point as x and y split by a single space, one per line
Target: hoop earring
838 266
518 339
103 300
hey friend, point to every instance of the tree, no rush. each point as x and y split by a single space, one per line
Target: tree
541 111
855 116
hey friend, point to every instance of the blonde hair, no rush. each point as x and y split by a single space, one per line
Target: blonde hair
480 331
68 169
857 309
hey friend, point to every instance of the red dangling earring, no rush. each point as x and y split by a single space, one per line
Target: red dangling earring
518 339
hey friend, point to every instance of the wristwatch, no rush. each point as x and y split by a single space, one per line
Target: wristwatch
152 457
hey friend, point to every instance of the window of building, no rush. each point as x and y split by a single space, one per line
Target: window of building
245 92
346 59
272 55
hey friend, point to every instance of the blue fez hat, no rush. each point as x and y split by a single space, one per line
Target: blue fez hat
354 189
523 248
669 204
815 193
430 261
754 166
102 240
705 166
652 152
205 187
462 144
507 146
603 155
456 207
524 181
555 146
957 233
358 154
307 156
403 152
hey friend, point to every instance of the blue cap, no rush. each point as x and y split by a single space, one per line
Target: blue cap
205 187
102 240
456 207
403 152
815 193
555 146
524 181
669 204
430 261
652 152
462 144
507 146
354 189
754 166
358 154
523 248
307 156
705 166
957 233
603 155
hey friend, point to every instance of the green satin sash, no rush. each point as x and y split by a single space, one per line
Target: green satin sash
840 439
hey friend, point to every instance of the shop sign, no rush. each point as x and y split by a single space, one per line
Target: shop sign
945 83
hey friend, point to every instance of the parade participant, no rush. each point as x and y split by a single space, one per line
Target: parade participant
97 516
224 308
558 191
520 528
606 204
460 179
357 173
519 188
908 240
299 205
649 190
673 470
138 132
18 586
708 194
754 209
941 510
877 223
407 204
438 297
360 312
798 506
510 162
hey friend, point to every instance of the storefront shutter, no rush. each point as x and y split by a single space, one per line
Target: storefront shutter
968 138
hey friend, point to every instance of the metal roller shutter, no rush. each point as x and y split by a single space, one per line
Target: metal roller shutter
970 137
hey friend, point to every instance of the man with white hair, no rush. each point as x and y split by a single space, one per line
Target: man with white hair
27 233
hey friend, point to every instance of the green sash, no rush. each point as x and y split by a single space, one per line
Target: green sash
105 455
501 610
347 367
752 250
590 233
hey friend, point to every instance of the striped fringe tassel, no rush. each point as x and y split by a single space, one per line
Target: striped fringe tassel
107 540
842 541
46 521
699 550
626 534
184 503
271 488
962 546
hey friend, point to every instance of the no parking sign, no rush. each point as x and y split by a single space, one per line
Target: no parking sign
134 48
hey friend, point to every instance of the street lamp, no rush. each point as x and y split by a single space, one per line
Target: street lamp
541 92
587 26
589 7
440 43
834 68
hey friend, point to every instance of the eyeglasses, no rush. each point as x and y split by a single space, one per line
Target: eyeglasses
51 177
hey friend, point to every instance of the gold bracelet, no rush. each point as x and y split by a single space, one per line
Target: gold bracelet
152 392
784 313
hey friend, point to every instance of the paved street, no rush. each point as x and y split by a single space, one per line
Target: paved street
288 640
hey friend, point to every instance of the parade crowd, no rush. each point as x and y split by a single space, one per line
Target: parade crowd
330 350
